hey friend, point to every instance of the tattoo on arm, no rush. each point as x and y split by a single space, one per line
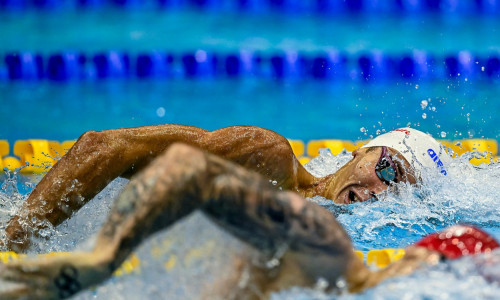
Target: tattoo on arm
123 207
67 281
266 217
241 201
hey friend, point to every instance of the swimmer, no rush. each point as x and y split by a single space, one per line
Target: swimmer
184 179
99 157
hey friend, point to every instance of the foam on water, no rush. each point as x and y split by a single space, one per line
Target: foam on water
79 231
10 198
72 232
468 194
467 278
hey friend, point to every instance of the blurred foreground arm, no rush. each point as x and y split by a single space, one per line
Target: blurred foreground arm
182 180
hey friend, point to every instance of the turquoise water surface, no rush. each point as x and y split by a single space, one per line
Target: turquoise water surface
298 108
183 30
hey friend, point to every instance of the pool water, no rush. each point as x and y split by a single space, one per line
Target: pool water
183 30
305 109
467 195
448 107
299 108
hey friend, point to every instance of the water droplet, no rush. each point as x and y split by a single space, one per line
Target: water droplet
321 284
200 56
160 112
272 263
341 283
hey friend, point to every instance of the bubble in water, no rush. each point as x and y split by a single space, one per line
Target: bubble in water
424 104
443 134
160 112
321 284
200 56
424 116
362 129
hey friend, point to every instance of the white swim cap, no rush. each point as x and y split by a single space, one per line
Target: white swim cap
421 150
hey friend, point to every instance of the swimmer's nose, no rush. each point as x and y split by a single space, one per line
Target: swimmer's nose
367 194
379 188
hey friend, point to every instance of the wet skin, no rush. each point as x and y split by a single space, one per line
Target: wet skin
99 157
184 179
357 181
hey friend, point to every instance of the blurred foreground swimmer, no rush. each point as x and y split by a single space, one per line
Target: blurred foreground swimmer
303 240
402 155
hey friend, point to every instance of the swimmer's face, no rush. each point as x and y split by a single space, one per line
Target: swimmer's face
357 181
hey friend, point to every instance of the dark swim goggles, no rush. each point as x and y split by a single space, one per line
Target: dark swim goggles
386 168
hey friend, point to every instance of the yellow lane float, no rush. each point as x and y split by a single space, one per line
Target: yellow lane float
38 156
488 147
335 146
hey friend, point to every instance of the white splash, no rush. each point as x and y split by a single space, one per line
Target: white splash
468 194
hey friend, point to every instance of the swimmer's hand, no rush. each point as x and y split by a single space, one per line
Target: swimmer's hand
414 258
54 277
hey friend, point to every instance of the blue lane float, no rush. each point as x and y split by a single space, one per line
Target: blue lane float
66 66
199 64
111 64
332 65
156 64
493 66
286 6
24 65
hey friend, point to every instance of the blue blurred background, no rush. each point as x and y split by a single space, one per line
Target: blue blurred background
309 69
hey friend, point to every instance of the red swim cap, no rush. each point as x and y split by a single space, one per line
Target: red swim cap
458 241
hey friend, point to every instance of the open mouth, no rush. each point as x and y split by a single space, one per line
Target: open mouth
353 198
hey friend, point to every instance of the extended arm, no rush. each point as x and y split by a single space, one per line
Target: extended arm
99 157
185 179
